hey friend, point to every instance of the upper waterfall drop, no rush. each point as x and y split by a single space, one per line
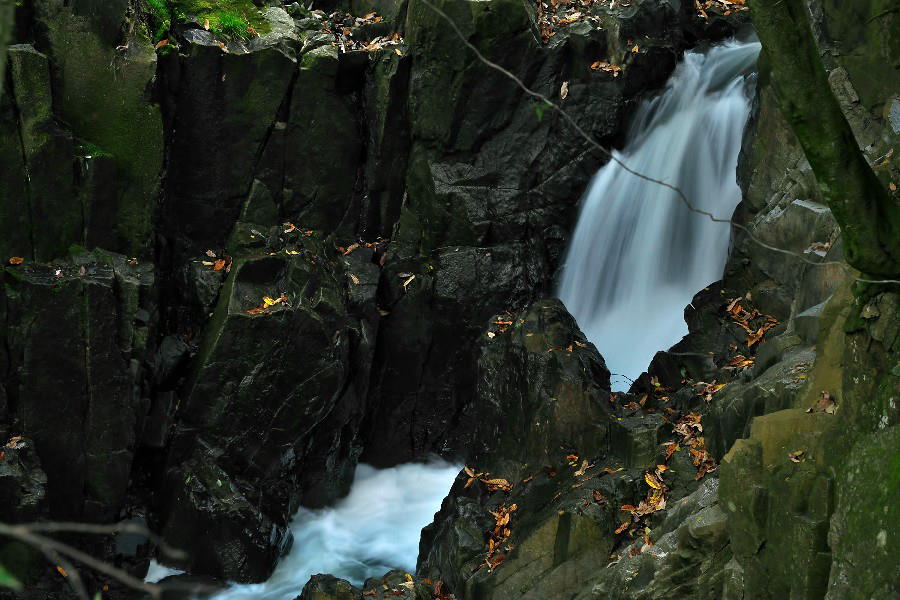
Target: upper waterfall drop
639 254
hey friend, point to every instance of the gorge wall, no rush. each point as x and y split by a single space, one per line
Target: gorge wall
253 258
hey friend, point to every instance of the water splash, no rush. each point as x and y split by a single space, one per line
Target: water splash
374 529
638 254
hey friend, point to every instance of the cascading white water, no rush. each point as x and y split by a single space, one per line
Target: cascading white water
639 254
374 529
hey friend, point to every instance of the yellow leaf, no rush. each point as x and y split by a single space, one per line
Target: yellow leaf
268 301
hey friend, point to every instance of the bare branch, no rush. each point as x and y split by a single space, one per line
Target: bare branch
121 527
59 553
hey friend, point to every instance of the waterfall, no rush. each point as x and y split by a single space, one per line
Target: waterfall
374 529
638 254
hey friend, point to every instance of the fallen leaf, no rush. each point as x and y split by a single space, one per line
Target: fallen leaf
564 90
622 527
16 260
159 45
408 281
653 481
584 467
61 571
354 279
206 24
219 264
497 484
605 67
797 456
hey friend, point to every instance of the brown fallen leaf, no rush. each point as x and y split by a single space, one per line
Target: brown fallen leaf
162 43
584 467
497 484
824 404
16 260
622 527
354 279
219 264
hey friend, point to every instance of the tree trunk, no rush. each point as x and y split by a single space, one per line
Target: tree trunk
868 216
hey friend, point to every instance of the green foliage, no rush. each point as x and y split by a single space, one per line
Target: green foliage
226 17
231 25
539 108
162 16
8 581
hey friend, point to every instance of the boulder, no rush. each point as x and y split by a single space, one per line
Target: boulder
273 400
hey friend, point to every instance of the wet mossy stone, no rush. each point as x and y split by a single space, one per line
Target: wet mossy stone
15 219
227 109
327 148
329 587
72 329
863 530
56 215
223 533
541 387
7 18
104 94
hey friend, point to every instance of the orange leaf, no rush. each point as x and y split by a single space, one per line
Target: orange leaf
219 265
165 42
61 571
16 260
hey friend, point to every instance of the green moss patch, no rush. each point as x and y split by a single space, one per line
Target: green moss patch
233 18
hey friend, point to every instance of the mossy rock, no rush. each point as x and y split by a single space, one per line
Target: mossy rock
104 95
863 532
226 17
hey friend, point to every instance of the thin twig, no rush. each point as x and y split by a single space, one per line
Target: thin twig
121 527
50 546
72 575
681 195
59 553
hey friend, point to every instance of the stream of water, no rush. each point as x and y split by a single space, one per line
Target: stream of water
374 529
638 254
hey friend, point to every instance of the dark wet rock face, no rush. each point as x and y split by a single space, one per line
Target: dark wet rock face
83 328
541 387
492 188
